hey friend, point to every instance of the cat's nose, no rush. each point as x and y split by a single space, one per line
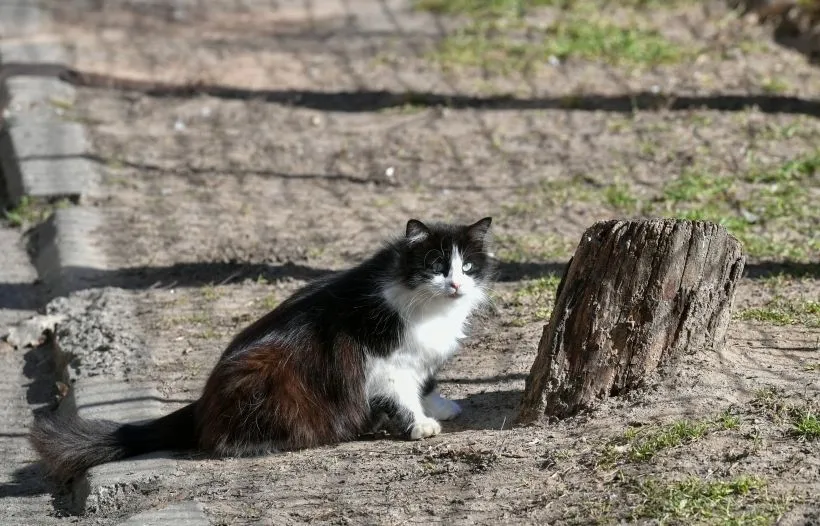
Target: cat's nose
455 285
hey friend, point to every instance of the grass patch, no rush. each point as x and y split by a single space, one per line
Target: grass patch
210 293
550 193
484 8
503 45
621 197
801 418
641 444
535 299
742 500
774 86
545 286
728 421
481 8
269 302
782 311
29 212
667 437
806 426
530 247
771 210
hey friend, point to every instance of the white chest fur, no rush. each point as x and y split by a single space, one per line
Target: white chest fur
433 333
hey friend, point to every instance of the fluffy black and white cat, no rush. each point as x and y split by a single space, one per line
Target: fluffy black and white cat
348 351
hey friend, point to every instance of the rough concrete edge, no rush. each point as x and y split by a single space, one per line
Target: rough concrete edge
37 143
65 255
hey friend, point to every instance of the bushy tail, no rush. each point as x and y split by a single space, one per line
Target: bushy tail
71 445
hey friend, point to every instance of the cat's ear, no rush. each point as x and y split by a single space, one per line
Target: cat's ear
479 229
416 230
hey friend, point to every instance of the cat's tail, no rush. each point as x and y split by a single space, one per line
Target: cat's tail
69 446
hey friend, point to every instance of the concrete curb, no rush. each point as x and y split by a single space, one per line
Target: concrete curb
45 156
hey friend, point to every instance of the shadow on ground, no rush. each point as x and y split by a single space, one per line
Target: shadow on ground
210 273
489 410
377 100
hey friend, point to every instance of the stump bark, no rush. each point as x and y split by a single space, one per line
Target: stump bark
636 295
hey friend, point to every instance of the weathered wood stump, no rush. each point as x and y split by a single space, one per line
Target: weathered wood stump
635 295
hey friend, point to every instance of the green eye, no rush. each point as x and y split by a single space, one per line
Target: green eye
467 267
436 267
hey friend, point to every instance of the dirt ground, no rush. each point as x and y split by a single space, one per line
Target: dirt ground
333 134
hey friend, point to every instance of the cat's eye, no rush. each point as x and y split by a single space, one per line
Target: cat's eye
467 267
437 266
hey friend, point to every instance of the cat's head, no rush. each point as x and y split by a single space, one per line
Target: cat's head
447 260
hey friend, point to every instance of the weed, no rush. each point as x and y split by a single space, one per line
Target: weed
28 211
536 299
806 426
545 286
485 8
269 302
602 41
774 86
531 247
771 402
503 45
783 311
210 293
802 418
768 209
742 500
621 197
640 444
728 421
667 437
60 103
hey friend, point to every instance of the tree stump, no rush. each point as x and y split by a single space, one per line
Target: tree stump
636 295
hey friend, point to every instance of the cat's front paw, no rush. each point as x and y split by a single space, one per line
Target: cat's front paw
424 428
441 408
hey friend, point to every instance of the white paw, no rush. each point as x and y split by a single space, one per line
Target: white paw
424 428
440 408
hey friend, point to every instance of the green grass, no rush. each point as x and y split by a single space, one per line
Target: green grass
269 302
506 45
641 444
769 209
484 8
774 86
741 500
500 37
29 211
782 311
806 426
646 447
210 292
728 421
481 8
621 197
532 247
545 286
801 418
535 299
549 193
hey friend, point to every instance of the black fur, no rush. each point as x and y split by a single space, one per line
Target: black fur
294 378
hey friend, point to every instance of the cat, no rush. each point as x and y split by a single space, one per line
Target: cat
348 353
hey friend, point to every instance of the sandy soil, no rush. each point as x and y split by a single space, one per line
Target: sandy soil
218 208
